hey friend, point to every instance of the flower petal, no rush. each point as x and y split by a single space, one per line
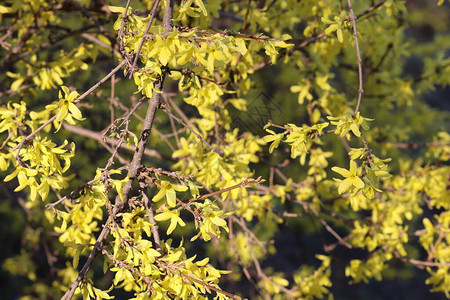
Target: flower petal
357 182
343 187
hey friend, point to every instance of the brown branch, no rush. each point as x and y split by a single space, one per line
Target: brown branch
124 265
185 203
72 194
153 104
13 92
190 72
179 111
168 16
420 263
95 86
262 275
346 145
241 222
99 137
239 259
334 233
311 40
417 145
137 158
93 39
209 286
14 57
244 183
122 25
151 216
168 112
302 43
172 125
114 153
11 133
111 98
144 37
126 119
370 9
358 57
13 53
98 245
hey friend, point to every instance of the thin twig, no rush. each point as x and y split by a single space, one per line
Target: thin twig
420 263
111 98
244 22
98 245
101 43
172 125
180 112
153 105
241 222
144 37
370 9
239 259
209 286
417 145
72 194
244 183
305 42
14 57
167 110
334 233
216 127
114 153
126 118
95 86
358 57
151 216
122 24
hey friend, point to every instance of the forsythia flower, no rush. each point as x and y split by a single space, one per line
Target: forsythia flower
351 177
66 110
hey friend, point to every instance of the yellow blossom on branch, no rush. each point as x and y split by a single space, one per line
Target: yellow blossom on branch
351 177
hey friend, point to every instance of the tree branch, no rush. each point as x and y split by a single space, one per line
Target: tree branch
144 37
358 57
95 86
99 137
153 104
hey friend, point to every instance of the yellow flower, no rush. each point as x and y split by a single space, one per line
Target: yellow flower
66 110
351 177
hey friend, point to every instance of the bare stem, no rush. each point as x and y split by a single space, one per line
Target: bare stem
95 86
244 183
167 110
335 234
151 216
420 263
98 137
153 105
358 57
144 37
